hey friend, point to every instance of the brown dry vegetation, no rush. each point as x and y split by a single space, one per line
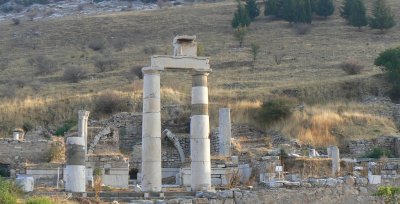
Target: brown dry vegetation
310 69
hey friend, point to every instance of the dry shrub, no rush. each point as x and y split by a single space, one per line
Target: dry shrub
43 64
97 44
134 73
233 179
16 21
150 50
302 28
244 111
119 43
97 186
74 74
105 63
278 56
110 102
352 66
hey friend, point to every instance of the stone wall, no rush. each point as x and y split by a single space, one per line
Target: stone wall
362 147
17 153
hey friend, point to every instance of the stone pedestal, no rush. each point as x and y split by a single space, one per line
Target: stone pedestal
199 134
75 167
333 151
151 131
82 125
224 132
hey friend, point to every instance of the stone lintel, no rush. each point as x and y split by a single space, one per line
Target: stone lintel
181 62
152 70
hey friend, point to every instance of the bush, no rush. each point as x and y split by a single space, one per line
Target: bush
109 102
241 17
8 192
96 44
65 128
276 109
119 44
390 61
390 193
352 67
16 21
150 50
74 74
134 72
105 63
378 153
43 64
39 200
240 33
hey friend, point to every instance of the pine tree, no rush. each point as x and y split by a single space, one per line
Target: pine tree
252 9
271 8
241 17
358 16
382 17
345 10
288 10
324 8
301 11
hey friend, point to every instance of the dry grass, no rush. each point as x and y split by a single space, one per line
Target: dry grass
334 124
310 66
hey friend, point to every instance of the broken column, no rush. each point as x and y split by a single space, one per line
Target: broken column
151 130
333 151
199 134
18 134
82 124
75 169
224 132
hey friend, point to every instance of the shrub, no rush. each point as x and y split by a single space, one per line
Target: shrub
302 28
358 14
16 21
8 192
278 56
378 153
390 61
150 50
324 8
390 193
96 44
352 67
74 74
27 126
108 103
119 44
134 72
252 9
276 109
39 200
65 127
105 63
255 49
43 64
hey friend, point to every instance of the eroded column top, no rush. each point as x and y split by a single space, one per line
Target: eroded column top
152 70
83 114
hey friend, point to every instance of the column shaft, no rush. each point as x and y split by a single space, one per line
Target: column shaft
224 132
82 125
199 134
151 131
75 180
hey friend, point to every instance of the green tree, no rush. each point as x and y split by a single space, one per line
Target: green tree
345 10
303 11
324 8
271 8
389 193
240 34
390 60
358 14
255 49
288 10
241 17
382 17
252 9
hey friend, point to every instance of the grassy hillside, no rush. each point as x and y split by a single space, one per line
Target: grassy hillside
309 70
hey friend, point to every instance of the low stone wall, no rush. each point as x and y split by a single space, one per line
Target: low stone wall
362 147
17 153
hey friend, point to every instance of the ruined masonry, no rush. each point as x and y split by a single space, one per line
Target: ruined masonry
184 58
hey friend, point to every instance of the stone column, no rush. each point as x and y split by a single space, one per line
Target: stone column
334 153
151 130
82 124
75 167
224 132
199 134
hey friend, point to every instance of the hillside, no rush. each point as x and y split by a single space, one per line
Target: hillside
310 68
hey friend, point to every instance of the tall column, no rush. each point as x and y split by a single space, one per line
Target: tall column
82 124
199 134
151 130
224 132
75 167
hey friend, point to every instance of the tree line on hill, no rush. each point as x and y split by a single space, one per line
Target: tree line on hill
302 11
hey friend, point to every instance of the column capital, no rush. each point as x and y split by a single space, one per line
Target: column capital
83 114
195 72
152 70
